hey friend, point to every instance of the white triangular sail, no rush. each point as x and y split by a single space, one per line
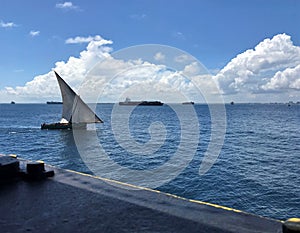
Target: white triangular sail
74 109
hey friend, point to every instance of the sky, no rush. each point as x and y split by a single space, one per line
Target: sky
250 49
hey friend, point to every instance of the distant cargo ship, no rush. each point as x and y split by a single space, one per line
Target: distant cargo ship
54 102
191 102
141 103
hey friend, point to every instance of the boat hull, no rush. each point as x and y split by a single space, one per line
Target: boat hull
72 103
186 103
54 126
53 102
142 103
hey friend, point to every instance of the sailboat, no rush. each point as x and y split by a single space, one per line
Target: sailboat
76 113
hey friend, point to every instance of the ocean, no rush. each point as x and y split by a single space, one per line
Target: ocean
257 170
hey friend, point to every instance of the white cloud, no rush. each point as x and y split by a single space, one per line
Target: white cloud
7 25
179 35
66 5
159 56
284 80
18 70
80 39
192 69
43 87
138 16
252 76
112 79
34 33
271 66
183 58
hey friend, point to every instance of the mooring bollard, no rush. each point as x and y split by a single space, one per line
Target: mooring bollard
291 225
10 170
36 171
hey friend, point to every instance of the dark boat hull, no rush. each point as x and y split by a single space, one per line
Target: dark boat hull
63 126
191 102
53 102
142 103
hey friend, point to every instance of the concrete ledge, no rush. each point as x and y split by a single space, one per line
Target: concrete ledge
75 202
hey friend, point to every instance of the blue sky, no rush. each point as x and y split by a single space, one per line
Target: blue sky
34 37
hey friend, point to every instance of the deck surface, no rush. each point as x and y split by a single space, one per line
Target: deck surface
73 202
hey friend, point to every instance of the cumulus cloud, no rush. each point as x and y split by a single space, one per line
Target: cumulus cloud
271 66
7 25
136 79
43 87
80 39
143 80
34 33
159 56
111 80
284 80
192 69
183 58
67 6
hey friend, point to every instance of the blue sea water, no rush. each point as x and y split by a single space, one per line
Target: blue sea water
257 171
